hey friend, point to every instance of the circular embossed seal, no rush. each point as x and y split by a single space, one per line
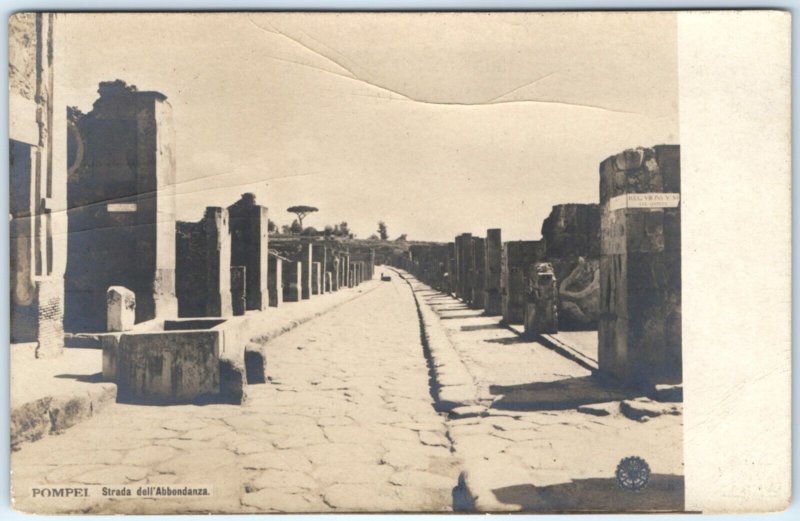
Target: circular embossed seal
633 473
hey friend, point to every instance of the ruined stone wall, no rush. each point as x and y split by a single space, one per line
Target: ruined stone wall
572 235
121 207
640 266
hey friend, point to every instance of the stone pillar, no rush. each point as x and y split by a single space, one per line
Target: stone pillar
336 279
121 309
38 182
478 272
316 278
371 269
328 282
306 257
238 290
541 307
203 265
346 271
493 299
250 247
640 266
275 280
292 281
121 202
463 265
518 256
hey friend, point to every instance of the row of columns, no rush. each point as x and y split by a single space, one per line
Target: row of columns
618 264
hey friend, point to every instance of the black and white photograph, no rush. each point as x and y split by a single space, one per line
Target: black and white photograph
362 262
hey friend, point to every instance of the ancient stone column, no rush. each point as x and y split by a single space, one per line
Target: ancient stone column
121 201
238 290
478 272
306 257
493 299
541 307
316 278
320 255
250 247
275 280
464 266
120 309
518 256
640 266
452 268
328 282
292 281
203 265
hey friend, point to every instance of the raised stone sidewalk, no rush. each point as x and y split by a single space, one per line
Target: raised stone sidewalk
540 433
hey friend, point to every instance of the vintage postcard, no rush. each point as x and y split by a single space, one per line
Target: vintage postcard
399 262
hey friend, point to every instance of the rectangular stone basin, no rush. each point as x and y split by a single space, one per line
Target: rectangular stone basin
189 361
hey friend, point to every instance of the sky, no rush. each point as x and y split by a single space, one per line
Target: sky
437 124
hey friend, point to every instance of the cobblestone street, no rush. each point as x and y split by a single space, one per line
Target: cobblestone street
335 429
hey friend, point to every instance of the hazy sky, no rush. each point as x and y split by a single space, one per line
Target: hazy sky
437 124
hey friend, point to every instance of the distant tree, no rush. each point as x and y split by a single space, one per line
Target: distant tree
344 230
328 230
383 231
271 226
374 237
310 231
286 229
301 211
296 228
402 238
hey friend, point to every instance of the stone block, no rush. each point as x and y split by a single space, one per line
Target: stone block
238 290
572 230
306 269
120 309
493 299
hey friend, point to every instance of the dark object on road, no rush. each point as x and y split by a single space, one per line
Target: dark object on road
385 278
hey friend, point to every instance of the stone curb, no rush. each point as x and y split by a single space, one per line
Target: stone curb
34 420
456 389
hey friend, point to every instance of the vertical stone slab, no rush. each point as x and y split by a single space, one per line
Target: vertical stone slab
120 309
518 256
306 257
292 281
320 255
541 308
464 266
121 206
640 266
478 272
275 280
336 279
238 290
250 247
493 299
316 278
328 282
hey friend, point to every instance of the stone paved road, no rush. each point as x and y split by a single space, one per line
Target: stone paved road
345 424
